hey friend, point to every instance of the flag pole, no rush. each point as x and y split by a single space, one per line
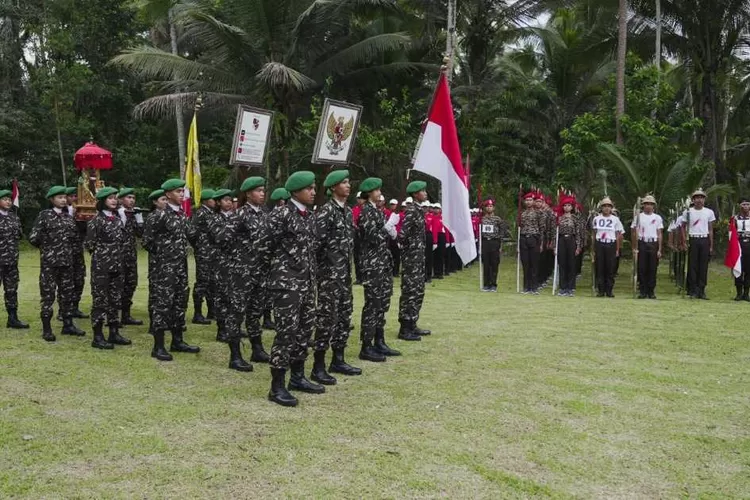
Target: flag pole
518 241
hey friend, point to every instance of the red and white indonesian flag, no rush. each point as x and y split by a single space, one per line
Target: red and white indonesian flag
15 195
439 155
733 259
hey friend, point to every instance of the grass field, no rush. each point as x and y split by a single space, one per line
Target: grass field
512 397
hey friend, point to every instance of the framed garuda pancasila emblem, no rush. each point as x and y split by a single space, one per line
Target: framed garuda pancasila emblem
337 133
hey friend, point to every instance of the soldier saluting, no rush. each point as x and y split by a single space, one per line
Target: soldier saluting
10 235
55 234
742 222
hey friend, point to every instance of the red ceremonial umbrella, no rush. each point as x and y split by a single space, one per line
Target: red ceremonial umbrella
91 156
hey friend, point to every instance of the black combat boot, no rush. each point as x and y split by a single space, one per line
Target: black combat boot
339 364
115 337
47 330
319 373
127 319
406 332
210 315
419 331
159 352
70 329
267 323
235 358
381 346
179 344
77 313
738 297
259 355
14 322
298 381
278 393
198 318
99 342
369 353
221 333
746 294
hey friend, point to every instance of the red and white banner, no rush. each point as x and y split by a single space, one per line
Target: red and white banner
15 196
439 155
733 259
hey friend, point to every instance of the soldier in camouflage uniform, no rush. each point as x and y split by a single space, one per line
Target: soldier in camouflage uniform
377 274
158 202
492 231
167 239
532 227
106 241
224 229
133 221
334 254
279 198
79 262
411 239
291 239
205 259
254 263
55 234
10 235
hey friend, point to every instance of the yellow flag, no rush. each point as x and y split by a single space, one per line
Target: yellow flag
193 167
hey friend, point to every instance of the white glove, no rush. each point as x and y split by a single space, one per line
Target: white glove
139 217
391 231
434 247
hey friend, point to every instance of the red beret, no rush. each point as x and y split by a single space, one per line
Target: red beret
529 196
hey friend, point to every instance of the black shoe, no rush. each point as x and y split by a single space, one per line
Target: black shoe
380 345
14 322
738 297
78 314
259 355
651 295
339 365
47 330
610 295
642 295
127 319
702 296
210 310
99 342
406 332
278 393
437 277
198 319
298 381
235 358
424 333
221 334
369 353
319 373
179 345
159 352
115 337
600 294
70 329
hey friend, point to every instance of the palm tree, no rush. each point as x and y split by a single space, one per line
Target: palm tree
622 52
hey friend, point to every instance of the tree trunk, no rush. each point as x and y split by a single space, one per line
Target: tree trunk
60 145
622 50
181 139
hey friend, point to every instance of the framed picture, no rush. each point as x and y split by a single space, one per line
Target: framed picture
252 133
337 133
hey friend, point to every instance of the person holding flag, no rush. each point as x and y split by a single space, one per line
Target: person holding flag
738 251
10 235
647 241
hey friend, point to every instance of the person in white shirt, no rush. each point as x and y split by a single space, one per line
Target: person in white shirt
607 234
647 229
698 230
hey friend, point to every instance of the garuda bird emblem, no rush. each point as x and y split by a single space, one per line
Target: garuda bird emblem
338 132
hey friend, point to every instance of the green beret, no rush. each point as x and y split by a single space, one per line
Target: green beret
370 184
252 183
173 184
335 177
105 192
221 193
71 190
280 194
207 194
299 180
124 192
55 190
156 194
5 193
415 187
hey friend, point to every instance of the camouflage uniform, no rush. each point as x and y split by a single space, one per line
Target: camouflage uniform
166 239
335 247
10 235
149 229
412 243
254 265
206 255
291 236
55 234
106 240
229 299
377 270
133 230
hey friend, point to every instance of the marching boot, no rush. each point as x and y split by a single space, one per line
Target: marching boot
198 318
259 355
99 342
179 345
210 315
406 332
77 313
221 334
267 323
319 373
127 319
14 322
738 297
115 337
369 353
298 381
70 329
159 352
278 393
235 358
339 365
419 331
746 294
381 346
47 330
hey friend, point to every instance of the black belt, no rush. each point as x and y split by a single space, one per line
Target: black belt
567 235
530 235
